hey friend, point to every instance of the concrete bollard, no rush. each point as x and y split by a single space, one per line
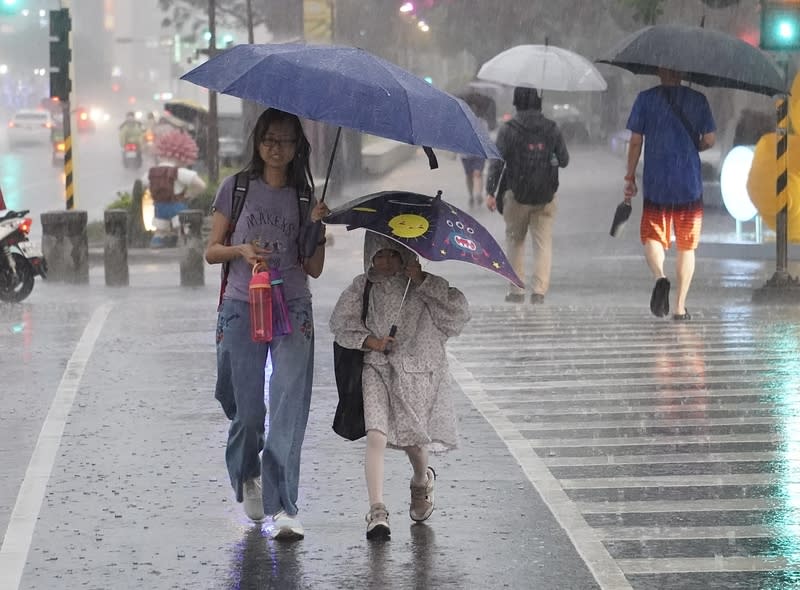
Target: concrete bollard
65 245
192 263
115 248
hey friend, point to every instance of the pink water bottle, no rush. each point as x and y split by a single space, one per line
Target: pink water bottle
260 292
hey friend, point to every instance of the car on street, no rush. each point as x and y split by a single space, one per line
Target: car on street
30 127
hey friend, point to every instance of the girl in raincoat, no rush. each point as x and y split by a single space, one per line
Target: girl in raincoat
407 400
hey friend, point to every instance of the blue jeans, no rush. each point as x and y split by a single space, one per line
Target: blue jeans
240 391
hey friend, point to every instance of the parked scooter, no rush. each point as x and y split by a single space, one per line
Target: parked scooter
20 260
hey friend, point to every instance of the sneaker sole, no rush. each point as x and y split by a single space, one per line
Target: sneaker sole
379 533
254 515
288 535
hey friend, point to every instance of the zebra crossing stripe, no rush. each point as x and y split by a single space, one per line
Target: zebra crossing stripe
603 567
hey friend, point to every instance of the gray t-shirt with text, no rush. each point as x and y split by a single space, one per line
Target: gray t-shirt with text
271 216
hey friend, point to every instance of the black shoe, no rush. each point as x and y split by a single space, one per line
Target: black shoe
682 317
515 298
537 298
659 300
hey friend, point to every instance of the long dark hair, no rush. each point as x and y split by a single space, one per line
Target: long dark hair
299 173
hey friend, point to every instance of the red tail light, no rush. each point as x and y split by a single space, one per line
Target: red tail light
84 116
131 147
25 226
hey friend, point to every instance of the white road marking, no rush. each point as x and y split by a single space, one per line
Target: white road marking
669 458
729 533
673 565
683 506
21 525
586 542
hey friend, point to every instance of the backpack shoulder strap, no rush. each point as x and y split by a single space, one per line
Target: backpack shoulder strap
678 112
240 188
304 202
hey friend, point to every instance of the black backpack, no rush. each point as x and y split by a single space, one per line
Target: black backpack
530 173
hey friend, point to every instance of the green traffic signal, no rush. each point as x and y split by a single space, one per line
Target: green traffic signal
780 27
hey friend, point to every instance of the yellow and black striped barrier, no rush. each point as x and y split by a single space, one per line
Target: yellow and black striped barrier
68 175
781 184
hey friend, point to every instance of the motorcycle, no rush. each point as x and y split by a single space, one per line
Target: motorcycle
20 260
132 155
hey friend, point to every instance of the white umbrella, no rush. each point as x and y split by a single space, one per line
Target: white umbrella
544 67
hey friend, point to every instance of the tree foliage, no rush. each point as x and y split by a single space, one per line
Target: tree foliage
191 16
645 11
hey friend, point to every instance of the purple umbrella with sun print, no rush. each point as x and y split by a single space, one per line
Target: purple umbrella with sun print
430 226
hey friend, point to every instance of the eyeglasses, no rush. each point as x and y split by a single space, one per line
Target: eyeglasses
272 142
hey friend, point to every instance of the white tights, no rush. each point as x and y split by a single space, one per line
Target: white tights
374 460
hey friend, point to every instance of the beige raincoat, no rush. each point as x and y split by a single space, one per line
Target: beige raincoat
406 392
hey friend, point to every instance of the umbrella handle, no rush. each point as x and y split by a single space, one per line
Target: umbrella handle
330 164
392 332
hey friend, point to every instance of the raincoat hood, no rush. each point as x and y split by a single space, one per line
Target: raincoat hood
374 243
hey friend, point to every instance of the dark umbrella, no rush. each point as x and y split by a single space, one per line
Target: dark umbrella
480 104
186 110
621 216
706 57
430 226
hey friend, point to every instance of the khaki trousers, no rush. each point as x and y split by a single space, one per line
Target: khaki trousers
539 219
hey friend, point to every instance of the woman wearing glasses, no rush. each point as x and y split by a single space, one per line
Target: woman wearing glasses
278 207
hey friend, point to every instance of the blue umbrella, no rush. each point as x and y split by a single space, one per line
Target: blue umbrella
347 87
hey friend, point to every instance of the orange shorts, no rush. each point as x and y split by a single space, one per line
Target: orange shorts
657 222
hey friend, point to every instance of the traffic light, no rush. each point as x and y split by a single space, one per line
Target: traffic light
780 25
60 54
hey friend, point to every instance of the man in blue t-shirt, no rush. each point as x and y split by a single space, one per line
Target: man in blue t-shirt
678 124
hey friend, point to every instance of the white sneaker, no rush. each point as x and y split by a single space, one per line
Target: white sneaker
286 528
253 502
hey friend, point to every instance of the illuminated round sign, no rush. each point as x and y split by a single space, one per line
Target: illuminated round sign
733 183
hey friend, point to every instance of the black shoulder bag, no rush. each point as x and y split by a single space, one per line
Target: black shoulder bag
693 135
348 421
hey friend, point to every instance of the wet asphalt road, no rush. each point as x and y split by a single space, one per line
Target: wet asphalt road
602 448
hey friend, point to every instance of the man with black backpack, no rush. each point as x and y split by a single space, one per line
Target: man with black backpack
523 188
